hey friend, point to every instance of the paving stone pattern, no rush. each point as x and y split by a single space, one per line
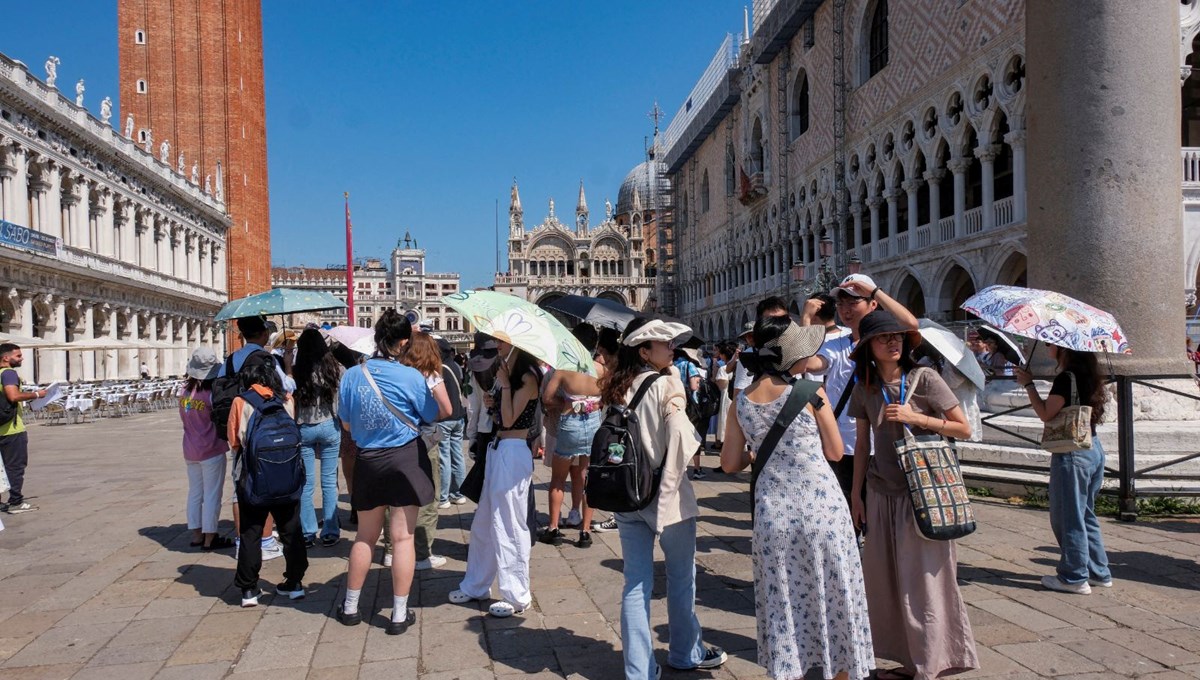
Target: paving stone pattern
101 583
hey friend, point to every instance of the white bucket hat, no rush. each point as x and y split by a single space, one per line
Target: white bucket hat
657 329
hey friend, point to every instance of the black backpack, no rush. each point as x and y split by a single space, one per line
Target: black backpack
228 386
708 401
8 409
272 469
620 477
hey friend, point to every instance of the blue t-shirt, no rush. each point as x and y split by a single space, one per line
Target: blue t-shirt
372 424
687 371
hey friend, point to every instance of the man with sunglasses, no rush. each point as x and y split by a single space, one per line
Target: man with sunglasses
854 298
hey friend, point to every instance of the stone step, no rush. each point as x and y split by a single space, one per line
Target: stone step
1166 438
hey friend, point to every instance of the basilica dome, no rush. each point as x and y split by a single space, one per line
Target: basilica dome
642 176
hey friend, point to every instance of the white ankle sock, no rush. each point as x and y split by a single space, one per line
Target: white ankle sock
351 605
399 608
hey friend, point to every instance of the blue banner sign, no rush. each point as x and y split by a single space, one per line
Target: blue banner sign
16 236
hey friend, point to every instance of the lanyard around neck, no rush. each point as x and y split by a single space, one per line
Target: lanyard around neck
888 401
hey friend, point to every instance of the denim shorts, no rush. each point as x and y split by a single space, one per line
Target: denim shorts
575 433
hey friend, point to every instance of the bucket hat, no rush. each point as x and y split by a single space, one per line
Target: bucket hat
204 364
882 322
657 329
795 343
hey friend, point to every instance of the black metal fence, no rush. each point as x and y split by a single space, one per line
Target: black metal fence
1126 472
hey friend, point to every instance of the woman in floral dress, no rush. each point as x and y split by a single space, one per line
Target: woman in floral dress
808 585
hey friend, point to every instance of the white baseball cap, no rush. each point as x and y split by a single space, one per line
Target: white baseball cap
854 278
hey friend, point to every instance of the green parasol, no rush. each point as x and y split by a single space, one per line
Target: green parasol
524 325
278 301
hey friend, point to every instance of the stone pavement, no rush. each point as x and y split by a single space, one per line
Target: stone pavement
100 583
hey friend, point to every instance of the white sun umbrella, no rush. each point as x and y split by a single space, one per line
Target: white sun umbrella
354 338
954 350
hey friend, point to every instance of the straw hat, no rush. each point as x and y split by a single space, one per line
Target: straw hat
795 343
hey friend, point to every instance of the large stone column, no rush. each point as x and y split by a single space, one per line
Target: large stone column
1104 171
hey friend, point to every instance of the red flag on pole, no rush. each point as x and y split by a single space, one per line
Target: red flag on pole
349 263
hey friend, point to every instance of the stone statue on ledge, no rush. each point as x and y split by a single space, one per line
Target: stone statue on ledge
208 185
129 126
164 152
195 173
79 93
52 70
149 141
182 168
106 110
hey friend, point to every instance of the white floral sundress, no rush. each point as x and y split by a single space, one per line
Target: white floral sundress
808 586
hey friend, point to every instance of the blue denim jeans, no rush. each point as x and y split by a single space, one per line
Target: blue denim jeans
686 645
450 457
320 441
1074 483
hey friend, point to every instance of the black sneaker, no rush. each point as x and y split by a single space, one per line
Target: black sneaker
250 597
399 627
606 526
293 589
551 537
714 657
348 619
310 541
699 473
585 540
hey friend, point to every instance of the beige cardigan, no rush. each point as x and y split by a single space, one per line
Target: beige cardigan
665 431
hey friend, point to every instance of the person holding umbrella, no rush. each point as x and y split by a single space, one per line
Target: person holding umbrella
1075 476
500 536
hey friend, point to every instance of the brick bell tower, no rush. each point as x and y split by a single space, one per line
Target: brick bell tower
191 74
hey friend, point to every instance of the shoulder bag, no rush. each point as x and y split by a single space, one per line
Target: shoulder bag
1071 429
803 392
390 406
939 498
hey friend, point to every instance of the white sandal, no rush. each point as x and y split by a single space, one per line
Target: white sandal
503 610
459 597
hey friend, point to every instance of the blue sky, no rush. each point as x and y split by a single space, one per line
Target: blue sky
426 111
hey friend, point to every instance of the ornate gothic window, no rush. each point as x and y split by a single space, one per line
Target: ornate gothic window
877 48
704 202
799 117
730 171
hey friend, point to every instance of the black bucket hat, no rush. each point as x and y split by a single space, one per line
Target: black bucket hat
882 322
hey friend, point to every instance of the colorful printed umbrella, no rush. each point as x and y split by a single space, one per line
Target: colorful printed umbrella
1050 317
278 301
524 325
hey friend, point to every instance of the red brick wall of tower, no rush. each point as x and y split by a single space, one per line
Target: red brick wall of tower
202 63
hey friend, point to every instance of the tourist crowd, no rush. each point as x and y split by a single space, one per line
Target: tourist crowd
818 409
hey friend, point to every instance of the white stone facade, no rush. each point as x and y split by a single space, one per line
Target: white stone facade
101 241
614 259
922 180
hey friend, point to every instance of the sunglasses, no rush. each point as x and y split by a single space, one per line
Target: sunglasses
889 338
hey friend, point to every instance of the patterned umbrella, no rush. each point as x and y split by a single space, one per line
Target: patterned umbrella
278 301
1050 317
524 325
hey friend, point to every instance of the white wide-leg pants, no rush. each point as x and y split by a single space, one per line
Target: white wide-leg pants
206 480
500 540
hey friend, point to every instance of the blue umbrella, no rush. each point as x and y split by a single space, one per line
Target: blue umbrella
278 301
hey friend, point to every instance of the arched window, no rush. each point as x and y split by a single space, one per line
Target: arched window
757 152
141 87
704 193
139 37
799 117
877 46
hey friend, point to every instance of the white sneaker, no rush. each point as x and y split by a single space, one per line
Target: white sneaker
1097 583
272 550
432 562
387 559
573 519
459 500
21 508
1053 582
444 505
503 610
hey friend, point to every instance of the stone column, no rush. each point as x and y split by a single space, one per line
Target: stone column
959 167
25 305
127 358
912 188
1016 142
1104 176
128 236
856 211
53 201
6 188
162 252
933 179
105 236
37 197
90 359
19 201
68 209
166 357
76 359
873 204
205 264
53 365
145 242
891 196
111 358
220 280
177 264
987 158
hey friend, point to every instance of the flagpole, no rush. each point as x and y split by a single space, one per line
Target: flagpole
349 263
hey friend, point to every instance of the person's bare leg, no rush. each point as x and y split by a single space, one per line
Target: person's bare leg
404 552
560 467
370 523
577 487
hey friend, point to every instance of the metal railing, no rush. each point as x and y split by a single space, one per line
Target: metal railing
1126 472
